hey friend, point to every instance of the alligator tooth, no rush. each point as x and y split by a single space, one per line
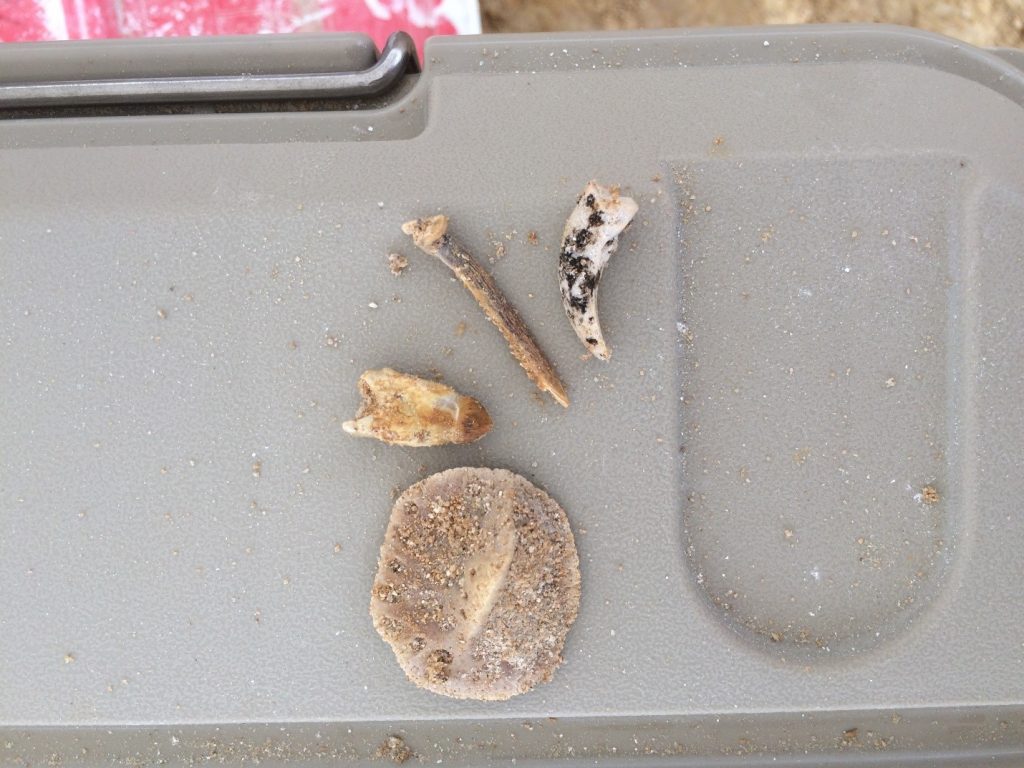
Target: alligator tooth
591 236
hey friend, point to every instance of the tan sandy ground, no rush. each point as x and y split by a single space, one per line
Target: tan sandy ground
981 22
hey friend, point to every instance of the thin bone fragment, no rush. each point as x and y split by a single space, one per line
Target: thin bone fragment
431 236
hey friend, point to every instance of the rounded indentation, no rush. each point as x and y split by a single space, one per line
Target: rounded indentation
817 580
820 396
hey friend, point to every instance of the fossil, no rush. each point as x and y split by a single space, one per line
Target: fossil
478 584
591 236
406 410
431 236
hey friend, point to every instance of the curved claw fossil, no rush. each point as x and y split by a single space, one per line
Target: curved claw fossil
591 236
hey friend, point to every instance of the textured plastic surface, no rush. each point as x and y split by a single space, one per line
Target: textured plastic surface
813 319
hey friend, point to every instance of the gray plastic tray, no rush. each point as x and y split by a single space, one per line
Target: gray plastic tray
815 316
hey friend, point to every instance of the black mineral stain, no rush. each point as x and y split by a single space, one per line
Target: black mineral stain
576 270
583 237
585 282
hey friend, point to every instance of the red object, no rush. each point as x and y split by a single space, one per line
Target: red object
346 16
23 20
